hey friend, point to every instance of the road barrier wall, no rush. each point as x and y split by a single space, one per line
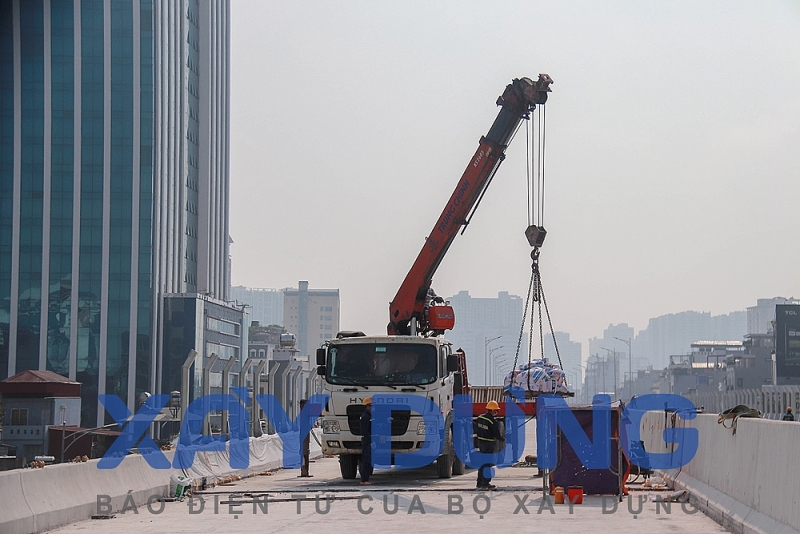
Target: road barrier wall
746 480
771 401
36 500
15 515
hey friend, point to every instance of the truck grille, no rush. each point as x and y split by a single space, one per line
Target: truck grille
400 418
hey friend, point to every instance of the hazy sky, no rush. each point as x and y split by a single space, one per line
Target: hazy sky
673 151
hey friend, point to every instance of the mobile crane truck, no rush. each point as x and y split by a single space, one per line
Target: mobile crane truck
415 358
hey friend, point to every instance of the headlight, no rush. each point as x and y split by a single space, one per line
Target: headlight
330 427
421 428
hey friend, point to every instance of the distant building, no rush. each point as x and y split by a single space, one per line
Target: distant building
33 402
207 326
266 305
602 376
753 367
312 315
488 331
705 368
570 352
674 333
787 344
610 345
264 340
647 381
760 317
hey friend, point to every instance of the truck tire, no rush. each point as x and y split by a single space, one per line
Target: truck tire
458 466
444 464
348 464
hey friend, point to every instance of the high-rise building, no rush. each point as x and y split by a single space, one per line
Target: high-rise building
266 305
570 355
487 329
312 315
612 346
113 182
761 316
674 333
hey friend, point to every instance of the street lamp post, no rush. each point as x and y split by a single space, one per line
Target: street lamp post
63 429
491 352
630 366
584 385
486 342
496 363
495 371
614 366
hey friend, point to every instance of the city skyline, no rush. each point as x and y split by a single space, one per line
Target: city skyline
505 305
671 160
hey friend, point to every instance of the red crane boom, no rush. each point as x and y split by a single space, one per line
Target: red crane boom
410 311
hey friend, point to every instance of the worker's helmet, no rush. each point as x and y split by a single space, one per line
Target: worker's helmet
367 401
492 405
788 408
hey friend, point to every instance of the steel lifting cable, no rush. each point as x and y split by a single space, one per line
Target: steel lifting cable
541 178
536 210
522 327
537 281
536 293
533 199
528 183
536 131
550 323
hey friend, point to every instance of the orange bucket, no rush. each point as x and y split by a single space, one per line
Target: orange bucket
559 493
575 494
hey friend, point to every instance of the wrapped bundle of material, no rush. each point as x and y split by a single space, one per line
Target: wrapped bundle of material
538 376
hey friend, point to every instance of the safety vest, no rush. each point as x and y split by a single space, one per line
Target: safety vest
486 425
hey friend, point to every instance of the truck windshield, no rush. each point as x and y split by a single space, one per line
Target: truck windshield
376 364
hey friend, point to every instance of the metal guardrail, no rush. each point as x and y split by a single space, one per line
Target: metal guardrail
482 394
771 401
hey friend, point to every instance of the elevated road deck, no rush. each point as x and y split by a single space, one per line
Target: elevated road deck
398 501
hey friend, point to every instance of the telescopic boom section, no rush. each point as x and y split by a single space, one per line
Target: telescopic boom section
520 97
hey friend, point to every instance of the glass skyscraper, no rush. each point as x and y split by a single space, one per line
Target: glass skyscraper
113 183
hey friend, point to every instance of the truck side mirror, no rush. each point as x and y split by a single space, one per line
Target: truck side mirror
452 363
321 356
321 370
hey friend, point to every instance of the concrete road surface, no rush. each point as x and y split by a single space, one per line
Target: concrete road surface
398 501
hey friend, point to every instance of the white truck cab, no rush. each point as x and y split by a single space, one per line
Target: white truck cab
355 366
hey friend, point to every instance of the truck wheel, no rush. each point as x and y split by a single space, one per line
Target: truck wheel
458 466
444 464
348 464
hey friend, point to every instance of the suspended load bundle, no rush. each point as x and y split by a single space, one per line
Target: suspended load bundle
539 376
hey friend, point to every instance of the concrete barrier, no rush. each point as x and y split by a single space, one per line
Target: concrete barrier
36 500
266 453
61 494
16 515
745 480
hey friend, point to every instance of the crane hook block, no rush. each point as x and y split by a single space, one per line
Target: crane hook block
535 235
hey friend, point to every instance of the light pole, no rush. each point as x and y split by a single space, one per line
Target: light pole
63 429
630 366
584 386
503 369
486 342
491 351
496 363
614 364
